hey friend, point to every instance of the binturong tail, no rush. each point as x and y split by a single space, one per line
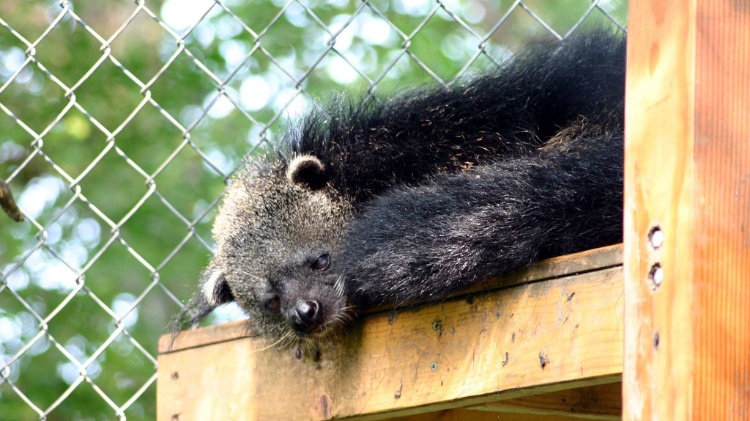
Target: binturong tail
421 243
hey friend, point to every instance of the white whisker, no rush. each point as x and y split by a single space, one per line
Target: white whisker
339 285
279 341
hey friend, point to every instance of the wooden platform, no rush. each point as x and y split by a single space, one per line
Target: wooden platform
545 341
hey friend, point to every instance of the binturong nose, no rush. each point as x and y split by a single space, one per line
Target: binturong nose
305 316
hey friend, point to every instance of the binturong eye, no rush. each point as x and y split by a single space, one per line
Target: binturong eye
321 263
272 303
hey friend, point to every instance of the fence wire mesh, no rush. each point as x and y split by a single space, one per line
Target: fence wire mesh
120 123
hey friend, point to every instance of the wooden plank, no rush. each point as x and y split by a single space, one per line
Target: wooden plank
601 402
534 338
658 172
687 173
471 415
556 267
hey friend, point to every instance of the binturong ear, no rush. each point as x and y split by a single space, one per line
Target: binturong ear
215 288
307 171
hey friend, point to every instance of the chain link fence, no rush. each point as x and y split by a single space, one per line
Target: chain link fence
120 123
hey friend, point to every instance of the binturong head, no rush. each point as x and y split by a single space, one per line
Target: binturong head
277 232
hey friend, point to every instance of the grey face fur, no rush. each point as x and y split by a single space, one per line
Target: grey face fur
277 231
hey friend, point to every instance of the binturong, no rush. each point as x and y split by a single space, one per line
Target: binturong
387 202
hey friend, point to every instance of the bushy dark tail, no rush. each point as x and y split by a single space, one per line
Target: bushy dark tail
424 242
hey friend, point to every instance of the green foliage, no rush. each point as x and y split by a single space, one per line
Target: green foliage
118 145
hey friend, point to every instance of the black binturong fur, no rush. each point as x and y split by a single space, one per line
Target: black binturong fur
413 198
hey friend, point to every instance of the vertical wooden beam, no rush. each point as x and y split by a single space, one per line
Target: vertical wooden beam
687 211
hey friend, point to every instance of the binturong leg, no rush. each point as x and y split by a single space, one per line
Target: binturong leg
420 243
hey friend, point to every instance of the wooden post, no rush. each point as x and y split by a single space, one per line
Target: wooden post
687 211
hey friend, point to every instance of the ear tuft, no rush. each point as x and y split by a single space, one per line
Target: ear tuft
215 288
308 171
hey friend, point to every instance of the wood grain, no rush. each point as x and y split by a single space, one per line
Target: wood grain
721 247
540 337
472 415
688 173
601 402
